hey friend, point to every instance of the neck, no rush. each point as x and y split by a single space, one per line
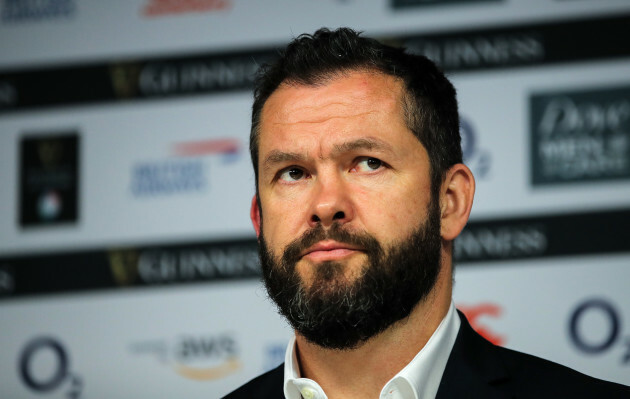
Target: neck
362 372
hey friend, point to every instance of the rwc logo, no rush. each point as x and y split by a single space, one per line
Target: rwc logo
476 157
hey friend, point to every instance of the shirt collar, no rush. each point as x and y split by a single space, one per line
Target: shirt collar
420 379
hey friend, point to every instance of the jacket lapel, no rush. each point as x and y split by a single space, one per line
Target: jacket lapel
473 370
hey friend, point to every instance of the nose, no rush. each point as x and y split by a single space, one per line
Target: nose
331 202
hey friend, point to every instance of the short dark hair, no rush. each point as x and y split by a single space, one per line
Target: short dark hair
429 99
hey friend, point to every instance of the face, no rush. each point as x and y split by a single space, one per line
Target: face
345 198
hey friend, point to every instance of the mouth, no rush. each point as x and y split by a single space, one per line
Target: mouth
329 250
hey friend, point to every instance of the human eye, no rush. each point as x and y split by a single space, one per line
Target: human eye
368 164
291 174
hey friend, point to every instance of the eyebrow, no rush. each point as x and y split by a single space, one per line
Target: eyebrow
277 157
362 144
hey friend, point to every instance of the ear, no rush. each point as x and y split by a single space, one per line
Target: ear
254 215
456 199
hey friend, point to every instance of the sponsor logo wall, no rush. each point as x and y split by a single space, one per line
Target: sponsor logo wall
507 122
168 343
126 251
570 310
199 342
154 172
154 27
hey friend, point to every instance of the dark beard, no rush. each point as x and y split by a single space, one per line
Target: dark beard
335 314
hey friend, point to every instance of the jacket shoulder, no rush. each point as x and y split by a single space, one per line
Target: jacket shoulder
537 377
478 368
265 386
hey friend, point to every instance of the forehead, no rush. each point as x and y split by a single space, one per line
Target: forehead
352 94
347 107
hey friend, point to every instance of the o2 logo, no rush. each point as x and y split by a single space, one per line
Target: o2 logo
606 313
44 366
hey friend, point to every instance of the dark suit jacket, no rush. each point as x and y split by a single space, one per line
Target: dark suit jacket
478 369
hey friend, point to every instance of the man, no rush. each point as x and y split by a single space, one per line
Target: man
360 192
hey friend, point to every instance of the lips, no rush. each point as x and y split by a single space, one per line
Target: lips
329 250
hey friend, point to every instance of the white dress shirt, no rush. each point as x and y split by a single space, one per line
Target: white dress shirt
419 379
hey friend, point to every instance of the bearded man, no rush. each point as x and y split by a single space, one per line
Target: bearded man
360 192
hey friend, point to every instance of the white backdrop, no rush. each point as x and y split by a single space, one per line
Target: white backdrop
82 318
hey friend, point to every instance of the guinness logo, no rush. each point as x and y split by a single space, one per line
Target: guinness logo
125 78
124 266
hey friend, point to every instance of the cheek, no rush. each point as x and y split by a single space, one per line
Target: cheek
394 211
283 221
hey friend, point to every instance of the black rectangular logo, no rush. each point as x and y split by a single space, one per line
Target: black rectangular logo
580 136
49 179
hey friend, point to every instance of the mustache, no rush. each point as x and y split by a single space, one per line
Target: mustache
336 232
